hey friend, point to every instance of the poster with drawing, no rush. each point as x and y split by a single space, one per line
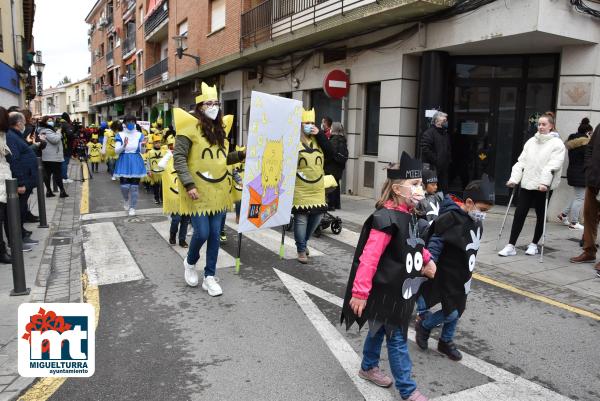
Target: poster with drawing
271 158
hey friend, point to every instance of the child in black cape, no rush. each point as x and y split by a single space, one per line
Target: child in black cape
388 268
455 239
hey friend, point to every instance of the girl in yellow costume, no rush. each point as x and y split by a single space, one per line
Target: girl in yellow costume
309 194
155 172
201 160
94 152
108 146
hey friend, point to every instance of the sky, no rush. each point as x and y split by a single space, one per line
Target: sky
60 32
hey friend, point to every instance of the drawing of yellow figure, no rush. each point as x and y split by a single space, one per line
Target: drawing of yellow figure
264 118
272 165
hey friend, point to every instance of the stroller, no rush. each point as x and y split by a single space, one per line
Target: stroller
328 221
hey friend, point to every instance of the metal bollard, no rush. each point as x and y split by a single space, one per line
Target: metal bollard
40 195
16 240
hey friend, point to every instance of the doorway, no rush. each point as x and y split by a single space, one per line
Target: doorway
325 106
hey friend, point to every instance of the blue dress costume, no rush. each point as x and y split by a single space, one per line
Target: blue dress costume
130 163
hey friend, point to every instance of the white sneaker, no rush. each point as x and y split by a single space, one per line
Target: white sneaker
132 212
508 250
67 181
532 249
576 226
191 275
211 284
113 178
126 205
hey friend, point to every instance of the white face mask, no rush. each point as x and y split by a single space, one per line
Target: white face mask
477 215
212 112
416 194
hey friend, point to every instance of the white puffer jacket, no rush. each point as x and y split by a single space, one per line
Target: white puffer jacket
541 155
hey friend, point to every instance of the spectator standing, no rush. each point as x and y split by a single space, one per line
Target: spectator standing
68 136
436 149
5 174
576 144
326 123
52 157
335 165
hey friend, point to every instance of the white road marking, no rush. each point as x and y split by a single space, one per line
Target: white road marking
506 386
122 213
224 259
348 237
271 240
107 258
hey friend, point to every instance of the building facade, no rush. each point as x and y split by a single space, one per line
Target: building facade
78 95
493 68
54 101
17 86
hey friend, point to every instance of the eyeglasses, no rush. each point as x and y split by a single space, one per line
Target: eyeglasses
210 104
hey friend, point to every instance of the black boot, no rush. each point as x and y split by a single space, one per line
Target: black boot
172 240
64 195
5 257
450 350
422 335
50 194
183 244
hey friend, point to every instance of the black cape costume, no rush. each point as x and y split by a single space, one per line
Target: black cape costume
452 282
398 277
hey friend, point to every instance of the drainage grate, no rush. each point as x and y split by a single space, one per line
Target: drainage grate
60 241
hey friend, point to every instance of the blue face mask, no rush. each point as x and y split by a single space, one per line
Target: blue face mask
445 124
130 126
51 123
307 128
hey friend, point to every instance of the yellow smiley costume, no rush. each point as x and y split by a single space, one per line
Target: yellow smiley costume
110 145
170 188
206 163
309 192
153 157
95 150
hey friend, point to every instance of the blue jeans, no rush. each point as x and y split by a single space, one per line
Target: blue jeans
65 167
206 229
179 223
449 323
304 226
398 356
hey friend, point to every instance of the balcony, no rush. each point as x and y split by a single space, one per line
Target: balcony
274 19
156 24
128 84
109 92
128 8
128 46
110 58
157 73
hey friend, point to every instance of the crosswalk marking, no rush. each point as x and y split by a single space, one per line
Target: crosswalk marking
271 240
224 259
506 386
107 258
122 213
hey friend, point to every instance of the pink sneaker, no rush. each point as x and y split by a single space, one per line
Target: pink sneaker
376 376
417 396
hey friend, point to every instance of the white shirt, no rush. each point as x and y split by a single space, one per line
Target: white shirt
134 140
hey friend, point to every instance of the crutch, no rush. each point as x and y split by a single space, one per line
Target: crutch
512 194
545 216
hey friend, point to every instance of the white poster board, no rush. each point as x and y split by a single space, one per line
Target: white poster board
271 161
145 125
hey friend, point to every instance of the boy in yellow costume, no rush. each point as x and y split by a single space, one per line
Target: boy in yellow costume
201 158
155 172
309 194
94 152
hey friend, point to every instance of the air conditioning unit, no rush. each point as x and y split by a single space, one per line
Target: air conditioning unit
96 53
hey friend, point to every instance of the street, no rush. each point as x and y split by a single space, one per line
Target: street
275 333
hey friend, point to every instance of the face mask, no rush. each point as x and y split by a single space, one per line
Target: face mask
323 127
51 123
445 124
477 215
307 128
130 126
212 112
416 194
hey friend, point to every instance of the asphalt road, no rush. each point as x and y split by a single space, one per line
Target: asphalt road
161 340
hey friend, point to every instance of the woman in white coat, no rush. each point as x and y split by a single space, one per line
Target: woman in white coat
538 171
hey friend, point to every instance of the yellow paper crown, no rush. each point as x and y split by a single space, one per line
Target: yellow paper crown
185 123
110 124
95 136
228 123
149 145
308 116
153 125
171 140
156 138
159 120
208 93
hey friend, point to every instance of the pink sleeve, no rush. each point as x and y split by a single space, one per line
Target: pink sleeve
426 256
374 248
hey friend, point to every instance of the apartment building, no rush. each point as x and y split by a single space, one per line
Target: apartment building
53 101
78 95
17 86
491 65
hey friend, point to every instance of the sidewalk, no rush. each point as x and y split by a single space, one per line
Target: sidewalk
53 272
558 279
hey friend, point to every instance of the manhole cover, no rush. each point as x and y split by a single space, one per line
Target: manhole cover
60 241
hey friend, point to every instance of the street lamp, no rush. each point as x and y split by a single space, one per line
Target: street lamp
39 68
180 41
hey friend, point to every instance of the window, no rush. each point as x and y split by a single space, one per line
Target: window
182 30
141 15
82 95
372 123
217 19
117 76
102 50
140 62
77 94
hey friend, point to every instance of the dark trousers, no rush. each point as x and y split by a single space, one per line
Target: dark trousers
54 170
527 200
442 175
334 198
157 188
591 211
23 198
3 227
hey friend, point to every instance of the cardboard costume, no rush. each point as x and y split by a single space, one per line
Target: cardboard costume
154 156
109 136
94 150
208 166
398 277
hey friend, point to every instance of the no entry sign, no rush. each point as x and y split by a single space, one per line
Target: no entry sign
336 84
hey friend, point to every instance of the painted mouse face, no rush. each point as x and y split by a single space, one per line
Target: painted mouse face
413 265
310 165
272 164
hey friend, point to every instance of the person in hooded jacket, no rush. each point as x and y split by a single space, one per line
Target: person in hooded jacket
538 171
52 157
436 148
335 165
68 136
576 144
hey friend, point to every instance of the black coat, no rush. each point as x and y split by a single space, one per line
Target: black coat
335 165
435 148
576 144
592 161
